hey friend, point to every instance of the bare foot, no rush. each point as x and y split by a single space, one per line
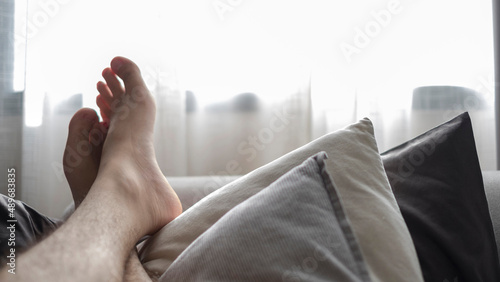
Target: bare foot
128 162
83 152
81 162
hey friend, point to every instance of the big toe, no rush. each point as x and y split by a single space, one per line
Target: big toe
129 72
78 146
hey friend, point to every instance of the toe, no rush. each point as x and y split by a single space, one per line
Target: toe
105 92
112 82
104 107
129 72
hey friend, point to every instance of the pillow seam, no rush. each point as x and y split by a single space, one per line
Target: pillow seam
340 214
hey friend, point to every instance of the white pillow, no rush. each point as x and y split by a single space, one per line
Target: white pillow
354 164
293 230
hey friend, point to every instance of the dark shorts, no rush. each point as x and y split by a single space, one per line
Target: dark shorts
23 230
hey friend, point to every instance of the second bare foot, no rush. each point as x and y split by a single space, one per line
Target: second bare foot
83 152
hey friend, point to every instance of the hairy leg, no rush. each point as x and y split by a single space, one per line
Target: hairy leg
81 162
129 198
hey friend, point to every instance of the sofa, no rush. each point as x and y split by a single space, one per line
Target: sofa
338 210
335 209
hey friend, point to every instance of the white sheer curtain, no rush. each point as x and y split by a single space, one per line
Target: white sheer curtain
240 83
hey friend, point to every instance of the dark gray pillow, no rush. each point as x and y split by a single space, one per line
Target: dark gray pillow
293 230
438 185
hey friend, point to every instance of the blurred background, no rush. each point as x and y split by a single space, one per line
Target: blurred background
239 83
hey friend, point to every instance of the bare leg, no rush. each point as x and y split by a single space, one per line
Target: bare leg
81 162
129 198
